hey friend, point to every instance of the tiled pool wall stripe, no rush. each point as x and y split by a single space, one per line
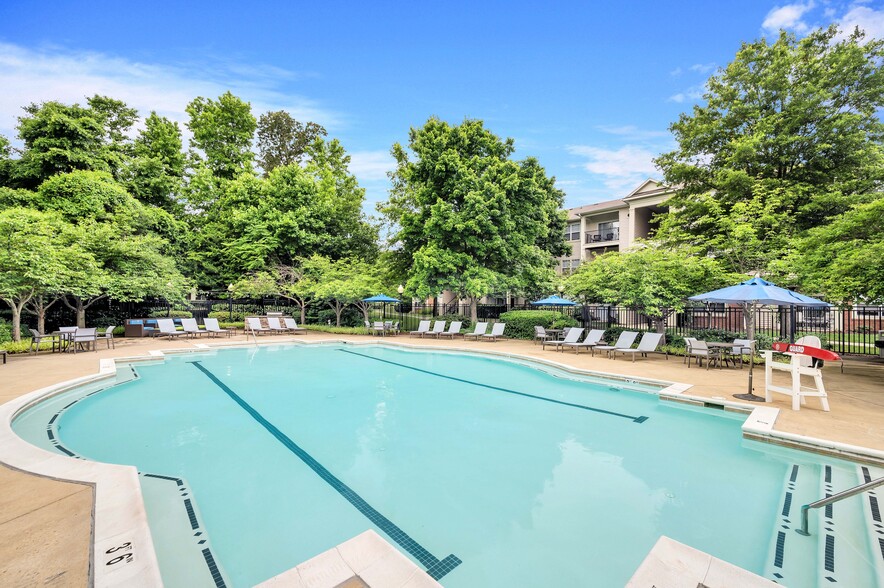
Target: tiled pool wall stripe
436 568
635 419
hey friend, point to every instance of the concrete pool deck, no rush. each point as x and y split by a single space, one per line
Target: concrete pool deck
46 525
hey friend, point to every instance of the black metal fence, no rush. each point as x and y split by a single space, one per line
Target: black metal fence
850 330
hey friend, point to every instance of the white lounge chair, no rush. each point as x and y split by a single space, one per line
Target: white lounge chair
190 327
275 325
292 325
478 331
624 341
438 328
423 327
166 328
648 344
253 325
593 338
540 334
453 330
213 328
496 331
572 337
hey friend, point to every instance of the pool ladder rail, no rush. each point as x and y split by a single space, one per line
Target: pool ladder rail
832 499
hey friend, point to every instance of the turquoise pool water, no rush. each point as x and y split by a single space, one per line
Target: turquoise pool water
484 471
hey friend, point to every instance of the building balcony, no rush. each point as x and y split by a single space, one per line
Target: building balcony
602 236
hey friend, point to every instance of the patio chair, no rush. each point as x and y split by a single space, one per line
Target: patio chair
292 325
453 330
592 339
742 347
496 332
66 338
422 327
85 338
540 334
368 327
276 326
108 336
438 327
166 328
191 328
624 341
213 328
698 350
572 337
378 328
478 331
253 325
36 339
648 344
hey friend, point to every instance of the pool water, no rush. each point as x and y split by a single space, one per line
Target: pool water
486 472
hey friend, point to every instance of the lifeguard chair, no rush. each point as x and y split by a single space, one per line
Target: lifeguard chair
803 354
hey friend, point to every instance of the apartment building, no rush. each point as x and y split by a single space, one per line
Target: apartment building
613 225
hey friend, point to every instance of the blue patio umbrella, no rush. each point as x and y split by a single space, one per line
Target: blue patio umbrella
381 298
749 294
554 301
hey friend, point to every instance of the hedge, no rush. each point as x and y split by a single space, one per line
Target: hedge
520 323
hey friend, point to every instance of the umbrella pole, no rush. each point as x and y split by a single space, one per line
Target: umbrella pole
750 328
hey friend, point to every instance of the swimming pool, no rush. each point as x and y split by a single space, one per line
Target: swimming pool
486 472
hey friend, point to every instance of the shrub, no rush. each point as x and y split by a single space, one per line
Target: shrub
225 315
171 314
350 317
5 331
334 329
520 323
449 318
611 333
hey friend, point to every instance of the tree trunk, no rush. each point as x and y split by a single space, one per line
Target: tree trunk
338 308
303 312
39 308
474 309
81 307
749 316
17 306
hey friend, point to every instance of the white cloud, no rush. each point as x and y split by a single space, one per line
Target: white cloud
703 68
869 20
787 17
371 165
692 93
632 132
676 72
53 73
619 169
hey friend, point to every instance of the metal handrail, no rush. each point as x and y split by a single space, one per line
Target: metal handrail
834 498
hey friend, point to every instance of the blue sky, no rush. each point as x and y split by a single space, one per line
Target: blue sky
588 88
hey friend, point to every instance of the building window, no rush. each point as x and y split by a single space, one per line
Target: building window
569 265
572 232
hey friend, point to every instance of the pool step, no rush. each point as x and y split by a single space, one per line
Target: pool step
845 547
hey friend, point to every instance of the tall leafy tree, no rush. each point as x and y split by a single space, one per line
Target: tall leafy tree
788 136
222 130
842 260
57 139
157 169
116 121
282 140
467 218
343 282
649 278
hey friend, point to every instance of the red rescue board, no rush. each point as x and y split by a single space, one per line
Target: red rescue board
816 352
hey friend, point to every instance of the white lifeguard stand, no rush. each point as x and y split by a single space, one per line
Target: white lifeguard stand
799 365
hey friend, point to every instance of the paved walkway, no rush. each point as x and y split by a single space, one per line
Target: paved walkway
45 525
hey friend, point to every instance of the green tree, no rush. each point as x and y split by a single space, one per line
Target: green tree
469 219
282 140
57 139
157 170
116 120
40 254
842 260
7 164
295 283
344 282
649 278
788 137
222 131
